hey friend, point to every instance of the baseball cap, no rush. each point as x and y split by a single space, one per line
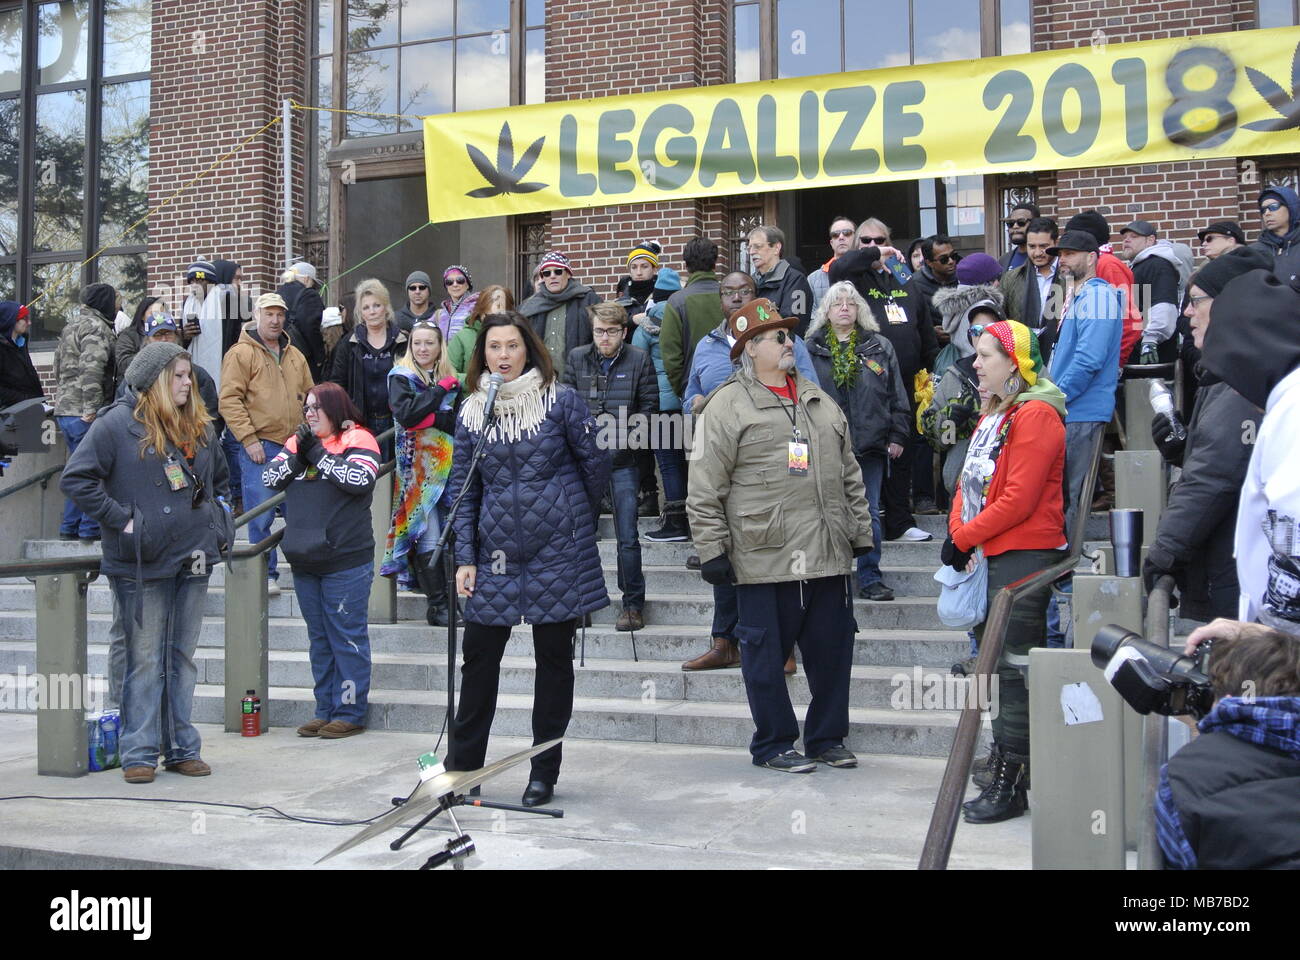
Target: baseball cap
271 300
1226 228
1142 228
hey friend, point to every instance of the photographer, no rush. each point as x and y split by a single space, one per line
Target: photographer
1227 800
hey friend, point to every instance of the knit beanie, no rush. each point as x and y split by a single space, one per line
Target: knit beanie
1090 221
1214 276
149 363
419 276
469 281
646 250
555 259
1022 346
978 268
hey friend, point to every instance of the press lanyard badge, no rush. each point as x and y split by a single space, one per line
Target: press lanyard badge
894 313
798 457
175 475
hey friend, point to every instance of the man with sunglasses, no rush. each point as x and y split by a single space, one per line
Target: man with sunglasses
419 302
557 310
777 507
1017 224
843 237
1220 237
1279 211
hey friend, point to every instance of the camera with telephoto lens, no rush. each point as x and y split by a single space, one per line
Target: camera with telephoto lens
1150 678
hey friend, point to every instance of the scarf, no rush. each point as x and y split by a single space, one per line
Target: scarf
543 301
521 406
845 363
639 290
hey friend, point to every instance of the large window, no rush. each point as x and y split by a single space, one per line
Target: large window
74 152
1278 13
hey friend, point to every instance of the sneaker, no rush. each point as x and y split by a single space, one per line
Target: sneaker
839 756
672 530
914 535
790 762
272 588
876 591
964 668
927 508
68 536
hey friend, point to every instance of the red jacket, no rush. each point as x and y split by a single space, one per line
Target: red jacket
1024 509
1117 273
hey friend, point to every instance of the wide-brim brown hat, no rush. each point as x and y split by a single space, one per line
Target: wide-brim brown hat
754 318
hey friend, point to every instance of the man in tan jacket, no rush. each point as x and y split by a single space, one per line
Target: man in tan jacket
264 383
777 506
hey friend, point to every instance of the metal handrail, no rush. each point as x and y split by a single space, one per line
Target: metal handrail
952 789
42 478
1155 734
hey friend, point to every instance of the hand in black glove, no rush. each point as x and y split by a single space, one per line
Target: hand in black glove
1170 447
718 571
960 415
1151 572
862 551
952 557
308 443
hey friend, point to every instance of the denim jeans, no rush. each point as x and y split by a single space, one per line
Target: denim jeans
334 606
873 475
116 656
1078 445
160 674
74 521
232 447
255 492
672 466
631 582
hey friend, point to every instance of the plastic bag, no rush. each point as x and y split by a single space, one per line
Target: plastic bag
103 731
963 596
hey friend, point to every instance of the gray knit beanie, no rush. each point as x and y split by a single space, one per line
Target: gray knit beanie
148 364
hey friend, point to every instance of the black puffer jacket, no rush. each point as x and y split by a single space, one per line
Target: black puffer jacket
1195 537
532 507
914 341
18 377
348 368
876 403
787 286
305 316
631 386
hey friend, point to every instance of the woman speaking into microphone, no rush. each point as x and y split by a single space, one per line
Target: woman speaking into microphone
525 537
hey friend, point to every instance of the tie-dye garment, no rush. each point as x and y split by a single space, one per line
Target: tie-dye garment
423 465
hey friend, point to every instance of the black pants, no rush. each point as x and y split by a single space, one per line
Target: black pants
896 496
552 694
773 617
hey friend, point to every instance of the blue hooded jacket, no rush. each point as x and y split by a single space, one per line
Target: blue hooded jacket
1085 360
1286 249
647 336
711 365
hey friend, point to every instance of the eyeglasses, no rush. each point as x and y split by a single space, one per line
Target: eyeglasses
456 280
781 336
1269 207
873 241
1015 222
553 273
1196 301
418 286
737 291
841 233
309 408
606 331
946 258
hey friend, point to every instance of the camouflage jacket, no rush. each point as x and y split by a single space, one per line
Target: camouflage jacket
83 364
949 419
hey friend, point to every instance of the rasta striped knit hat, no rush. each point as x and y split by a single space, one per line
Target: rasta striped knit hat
1021 345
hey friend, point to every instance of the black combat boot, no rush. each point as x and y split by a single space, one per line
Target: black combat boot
1004 798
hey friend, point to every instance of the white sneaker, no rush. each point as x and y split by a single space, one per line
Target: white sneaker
914 535
272 588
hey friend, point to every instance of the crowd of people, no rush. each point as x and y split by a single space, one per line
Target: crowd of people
828 407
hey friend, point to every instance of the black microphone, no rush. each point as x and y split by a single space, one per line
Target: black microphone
494 384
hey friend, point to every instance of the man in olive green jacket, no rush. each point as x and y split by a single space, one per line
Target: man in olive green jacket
777 506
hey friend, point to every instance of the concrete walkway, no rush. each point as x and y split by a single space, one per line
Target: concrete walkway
627 805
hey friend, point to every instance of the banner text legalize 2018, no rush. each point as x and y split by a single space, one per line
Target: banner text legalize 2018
1225 94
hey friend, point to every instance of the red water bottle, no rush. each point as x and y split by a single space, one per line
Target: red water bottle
250 715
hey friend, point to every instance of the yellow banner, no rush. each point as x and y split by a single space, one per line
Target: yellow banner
1217 95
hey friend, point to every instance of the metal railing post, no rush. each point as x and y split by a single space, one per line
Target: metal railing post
61 738
383 590
1155 737
246 658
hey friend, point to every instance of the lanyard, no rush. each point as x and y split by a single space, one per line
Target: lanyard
791 413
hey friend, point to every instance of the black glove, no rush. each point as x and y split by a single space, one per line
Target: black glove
1170 447
960 415
952 557
307 444
862 551
1151 572
718 571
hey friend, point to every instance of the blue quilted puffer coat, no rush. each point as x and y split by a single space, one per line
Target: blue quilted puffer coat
528 522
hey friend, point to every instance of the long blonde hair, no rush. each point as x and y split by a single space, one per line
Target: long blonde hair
165 423
374 288
441 365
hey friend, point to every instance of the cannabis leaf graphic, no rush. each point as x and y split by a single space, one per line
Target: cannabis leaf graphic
505 176
1287 104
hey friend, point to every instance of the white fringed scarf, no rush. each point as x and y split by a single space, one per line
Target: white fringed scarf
520 408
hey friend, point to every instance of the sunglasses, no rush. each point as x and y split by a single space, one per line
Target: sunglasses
946 258
553 273
841 233
781 336
737 291
418 286
1269 207
1016 223
456 280
873 241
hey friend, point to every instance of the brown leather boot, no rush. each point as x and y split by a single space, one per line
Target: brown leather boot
723 653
